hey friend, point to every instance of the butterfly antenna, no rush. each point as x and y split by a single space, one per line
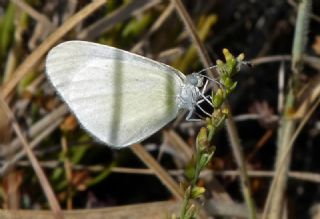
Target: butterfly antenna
213 80
247 63
205 69
208 78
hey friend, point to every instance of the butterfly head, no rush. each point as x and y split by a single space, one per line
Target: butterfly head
195 79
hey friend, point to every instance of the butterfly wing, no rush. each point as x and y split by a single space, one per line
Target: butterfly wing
119 97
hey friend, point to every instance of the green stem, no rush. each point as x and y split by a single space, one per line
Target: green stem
204 150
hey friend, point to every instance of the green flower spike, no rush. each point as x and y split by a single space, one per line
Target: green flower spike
204 148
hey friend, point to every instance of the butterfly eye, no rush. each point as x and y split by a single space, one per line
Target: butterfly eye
195 80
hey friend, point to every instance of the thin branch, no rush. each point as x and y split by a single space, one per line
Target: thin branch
53 202
32 145
36 129
159 171
188 23
295 175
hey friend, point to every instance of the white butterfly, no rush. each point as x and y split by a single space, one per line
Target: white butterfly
119 97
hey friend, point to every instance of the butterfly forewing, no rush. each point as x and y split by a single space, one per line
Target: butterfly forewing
119 97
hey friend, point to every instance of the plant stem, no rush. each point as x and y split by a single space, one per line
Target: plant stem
235 142
274 203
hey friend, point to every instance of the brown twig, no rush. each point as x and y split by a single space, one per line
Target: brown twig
38 128
38 53
295 175
54 204
32 144
158 170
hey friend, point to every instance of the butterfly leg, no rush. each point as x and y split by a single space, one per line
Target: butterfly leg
204 87
202 100
189 119
205 98
205 112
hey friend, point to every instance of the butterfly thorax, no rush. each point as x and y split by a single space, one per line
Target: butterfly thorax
190 93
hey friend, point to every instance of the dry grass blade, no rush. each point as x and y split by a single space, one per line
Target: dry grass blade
287 151
226 209
33 13
202 52
303 176
156 210
32 145
182 148
166 13
37 132
297 175
281 84
121 14
308 97
162 174
54 204
38 53
37 128
313 61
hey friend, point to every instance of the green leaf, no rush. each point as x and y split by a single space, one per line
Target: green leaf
6 29
78 153
136 26
101 176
